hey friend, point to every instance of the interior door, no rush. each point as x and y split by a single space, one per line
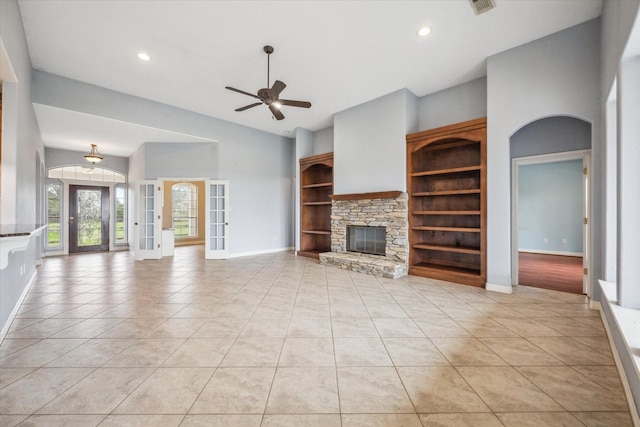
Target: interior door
88 218
148 233
217 219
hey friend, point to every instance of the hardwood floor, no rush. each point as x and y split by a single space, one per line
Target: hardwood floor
560 273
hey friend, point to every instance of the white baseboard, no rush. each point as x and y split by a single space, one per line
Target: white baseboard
543 252
17 306
635 418
267 251
499 288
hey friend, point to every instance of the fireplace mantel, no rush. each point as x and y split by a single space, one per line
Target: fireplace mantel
363 196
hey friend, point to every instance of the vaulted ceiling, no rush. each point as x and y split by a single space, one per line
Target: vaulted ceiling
335 54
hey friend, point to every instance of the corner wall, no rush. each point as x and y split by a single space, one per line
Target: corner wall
555 75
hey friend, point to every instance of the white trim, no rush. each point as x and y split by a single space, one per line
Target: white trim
585 156
268 251
626 327
543 252
17 306
503 289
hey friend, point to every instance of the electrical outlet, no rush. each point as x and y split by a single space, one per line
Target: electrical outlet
545 240
564 241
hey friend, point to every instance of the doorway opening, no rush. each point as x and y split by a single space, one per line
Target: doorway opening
550 219
550 185
88 218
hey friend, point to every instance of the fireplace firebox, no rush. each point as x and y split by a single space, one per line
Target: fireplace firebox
367 240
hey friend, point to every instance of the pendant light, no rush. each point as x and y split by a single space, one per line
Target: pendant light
94 156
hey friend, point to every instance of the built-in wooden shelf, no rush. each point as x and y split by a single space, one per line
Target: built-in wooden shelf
364 196
316 232
446 248
446 193
316 203
447 171
319 184
316 186
445 213
446 182
433 228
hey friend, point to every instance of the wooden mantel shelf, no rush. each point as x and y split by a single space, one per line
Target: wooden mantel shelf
362 196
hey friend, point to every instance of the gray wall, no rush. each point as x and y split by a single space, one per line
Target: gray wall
551 135
457 104
323 141
617 20
550 207
56 157
182 160
557 75
257 164
370 145
21 146
21 139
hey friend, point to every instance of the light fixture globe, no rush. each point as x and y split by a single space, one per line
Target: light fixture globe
94 155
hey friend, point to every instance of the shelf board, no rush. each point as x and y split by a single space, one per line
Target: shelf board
446 248
449 170
318 184
445 213
446 193
317 203
433 228
312 253
467 269
316 232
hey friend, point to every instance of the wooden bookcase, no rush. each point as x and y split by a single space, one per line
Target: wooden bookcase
316 187
446 182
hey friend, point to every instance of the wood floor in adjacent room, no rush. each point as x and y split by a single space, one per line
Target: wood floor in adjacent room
556 272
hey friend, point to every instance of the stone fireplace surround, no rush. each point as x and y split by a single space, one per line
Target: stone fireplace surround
383 209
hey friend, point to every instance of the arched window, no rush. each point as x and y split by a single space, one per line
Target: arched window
184 209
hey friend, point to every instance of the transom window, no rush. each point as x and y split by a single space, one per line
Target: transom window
184 209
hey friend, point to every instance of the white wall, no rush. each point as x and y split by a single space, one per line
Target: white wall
370 144
323 141
556 75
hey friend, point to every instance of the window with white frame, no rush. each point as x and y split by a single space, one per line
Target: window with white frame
120 214
54 215
184 209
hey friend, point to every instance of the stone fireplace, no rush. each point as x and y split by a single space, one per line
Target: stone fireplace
386 210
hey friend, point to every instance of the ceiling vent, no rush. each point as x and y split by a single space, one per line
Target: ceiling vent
482 6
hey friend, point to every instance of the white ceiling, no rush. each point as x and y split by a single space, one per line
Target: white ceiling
335 54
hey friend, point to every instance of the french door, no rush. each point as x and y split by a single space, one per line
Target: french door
148 227
88 218
217 219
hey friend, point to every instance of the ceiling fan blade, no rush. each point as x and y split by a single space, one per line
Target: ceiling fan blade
276 112
246 107
241 91
301 104
277 87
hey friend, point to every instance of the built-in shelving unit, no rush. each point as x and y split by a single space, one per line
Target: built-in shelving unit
316 178
446 181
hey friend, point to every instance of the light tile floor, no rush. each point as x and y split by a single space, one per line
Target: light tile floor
279 340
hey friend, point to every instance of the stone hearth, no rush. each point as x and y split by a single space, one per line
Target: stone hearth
385 209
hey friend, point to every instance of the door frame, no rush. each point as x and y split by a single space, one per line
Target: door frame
105 199
585 156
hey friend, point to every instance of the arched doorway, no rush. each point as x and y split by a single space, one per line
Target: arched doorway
550 204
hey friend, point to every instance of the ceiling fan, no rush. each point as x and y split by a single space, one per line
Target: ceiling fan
269 96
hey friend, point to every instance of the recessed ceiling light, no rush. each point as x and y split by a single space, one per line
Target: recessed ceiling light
144 56
424 31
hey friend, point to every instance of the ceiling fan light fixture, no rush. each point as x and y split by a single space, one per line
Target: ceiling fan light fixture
423 31
94 155
277 104
143 56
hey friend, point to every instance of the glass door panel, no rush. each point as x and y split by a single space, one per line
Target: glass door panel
217 219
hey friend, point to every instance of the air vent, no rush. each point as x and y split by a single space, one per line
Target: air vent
482 6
